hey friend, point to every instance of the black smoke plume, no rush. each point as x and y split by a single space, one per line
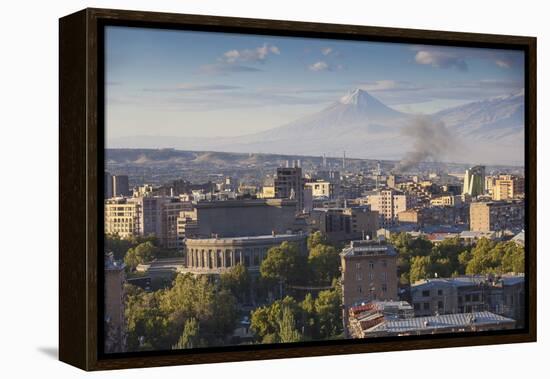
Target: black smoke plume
431 141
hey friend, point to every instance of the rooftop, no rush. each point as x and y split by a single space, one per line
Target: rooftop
440 322
268 237
368 247
462 281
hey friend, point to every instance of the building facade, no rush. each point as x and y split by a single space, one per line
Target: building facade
369 272
144 216
321 189
115 331
474 181
108 185
251 217
121 186
289 184
216 255
504 295
495 216
388 204
344 224
508 187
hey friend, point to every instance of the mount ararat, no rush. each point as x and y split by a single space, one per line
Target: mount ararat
490 131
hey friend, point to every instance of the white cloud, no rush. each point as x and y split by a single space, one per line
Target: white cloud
388 85
456 57
193 88
259 54
440 59
319 66
502 63
326 50
225 68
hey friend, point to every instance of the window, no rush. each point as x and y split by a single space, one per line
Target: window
359 289
359 277
384 263
439 292
426 293
439 305
468 297
371 265
384 276
416 306
475 297
358 265
371 275
384 288
426 306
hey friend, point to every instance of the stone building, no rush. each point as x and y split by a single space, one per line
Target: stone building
369 272
216 255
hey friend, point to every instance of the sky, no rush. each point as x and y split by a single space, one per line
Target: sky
207 84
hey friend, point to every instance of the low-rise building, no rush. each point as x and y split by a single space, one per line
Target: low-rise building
449 323
321 189
367 315
504 295
344 224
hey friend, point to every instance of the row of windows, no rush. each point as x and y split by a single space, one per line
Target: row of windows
383 276
383 287
371 264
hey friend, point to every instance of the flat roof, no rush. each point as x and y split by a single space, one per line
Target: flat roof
440 322
251 238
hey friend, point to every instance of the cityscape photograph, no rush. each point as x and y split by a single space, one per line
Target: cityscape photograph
263 189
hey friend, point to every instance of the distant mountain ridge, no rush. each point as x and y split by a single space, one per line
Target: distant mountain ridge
486 131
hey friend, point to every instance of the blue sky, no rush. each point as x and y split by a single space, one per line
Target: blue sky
204 84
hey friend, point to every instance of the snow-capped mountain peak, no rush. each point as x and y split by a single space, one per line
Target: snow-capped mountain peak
358 97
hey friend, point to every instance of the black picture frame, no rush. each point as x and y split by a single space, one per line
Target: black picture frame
81 74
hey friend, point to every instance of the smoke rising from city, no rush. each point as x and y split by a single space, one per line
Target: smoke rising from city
431 141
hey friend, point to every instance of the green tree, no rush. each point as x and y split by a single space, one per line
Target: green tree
309 316
155 319
316 238
190 337
284 263
328 308
287 327
324 262
147 325
267 321
495 257
237 281
142 253
421 267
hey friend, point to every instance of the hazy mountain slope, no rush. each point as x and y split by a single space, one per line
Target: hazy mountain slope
487 131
